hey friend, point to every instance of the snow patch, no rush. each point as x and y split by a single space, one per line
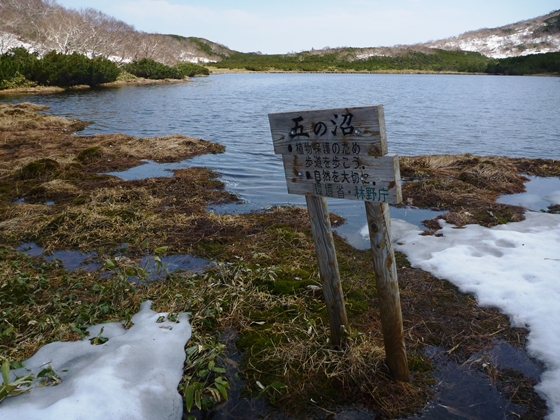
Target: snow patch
513 267
9 41
133 376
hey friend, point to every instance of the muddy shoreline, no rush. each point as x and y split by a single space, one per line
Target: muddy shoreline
47 90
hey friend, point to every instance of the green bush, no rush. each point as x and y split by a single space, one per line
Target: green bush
17 68
548 63
344 60
151 69
191 70
17 81
103 70
57 69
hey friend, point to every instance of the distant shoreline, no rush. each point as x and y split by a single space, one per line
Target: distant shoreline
45 90
55 89
216 70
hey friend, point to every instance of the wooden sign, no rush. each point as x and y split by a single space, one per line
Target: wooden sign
359 126
365 178
342 153
337 153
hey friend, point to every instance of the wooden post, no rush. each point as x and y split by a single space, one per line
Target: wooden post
328 267
342 153
379 225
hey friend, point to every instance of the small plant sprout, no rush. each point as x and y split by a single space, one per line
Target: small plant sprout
271 389
205 385
13 388
98 339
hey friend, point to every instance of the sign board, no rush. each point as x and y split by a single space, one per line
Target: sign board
337 153
342 153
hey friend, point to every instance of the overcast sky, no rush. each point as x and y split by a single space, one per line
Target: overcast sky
283 26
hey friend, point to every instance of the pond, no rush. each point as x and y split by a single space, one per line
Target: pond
425 114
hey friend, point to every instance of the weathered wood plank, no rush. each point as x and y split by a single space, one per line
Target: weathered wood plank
365 178
383 167
379 224
364 126
328 267
347 146
379 194
342 153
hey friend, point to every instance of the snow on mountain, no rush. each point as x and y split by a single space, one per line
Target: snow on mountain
9 41
534 36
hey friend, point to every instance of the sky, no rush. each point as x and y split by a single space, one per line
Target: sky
279 27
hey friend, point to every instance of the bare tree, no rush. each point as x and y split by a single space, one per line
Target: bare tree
48 26
23 17
63 31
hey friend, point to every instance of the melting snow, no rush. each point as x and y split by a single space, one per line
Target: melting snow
133 376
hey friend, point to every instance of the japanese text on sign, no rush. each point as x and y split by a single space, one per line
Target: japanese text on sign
337 153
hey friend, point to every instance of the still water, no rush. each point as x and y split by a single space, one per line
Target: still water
425 114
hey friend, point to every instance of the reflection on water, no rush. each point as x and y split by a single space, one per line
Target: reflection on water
171 264
425 114
90 261
149 169
71 260
464 392
353 230
539 195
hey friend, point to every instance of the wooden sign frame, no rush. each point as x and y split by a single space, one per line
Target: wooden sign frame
342 153
337 153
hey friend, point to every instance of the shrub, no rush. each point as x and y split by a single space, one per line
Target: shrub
103 70
190 69
17 81
17 68
548 63
57 69
151 69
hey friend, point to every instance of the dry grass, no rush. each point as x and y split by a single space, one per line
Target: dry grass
260 294
24 116
467 186
91 211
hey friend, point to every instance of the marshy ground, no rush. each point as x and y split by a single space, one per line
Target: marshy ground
260 298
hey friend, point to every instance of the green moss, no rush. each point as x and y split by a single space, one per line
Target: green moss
490 217
90 154
253 341
42 169
287 283
419 364
401 260
210 249
357 302
278 314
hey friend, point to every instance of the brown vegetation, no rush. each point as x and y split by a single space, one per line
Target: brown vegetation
263 292
467 186
40 161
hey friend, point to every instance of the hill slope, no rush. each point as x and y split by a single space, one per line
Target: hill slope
43 25
533 36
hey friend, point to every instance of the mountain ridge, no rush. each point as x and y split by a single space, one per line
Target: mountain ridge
531 36
43 25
